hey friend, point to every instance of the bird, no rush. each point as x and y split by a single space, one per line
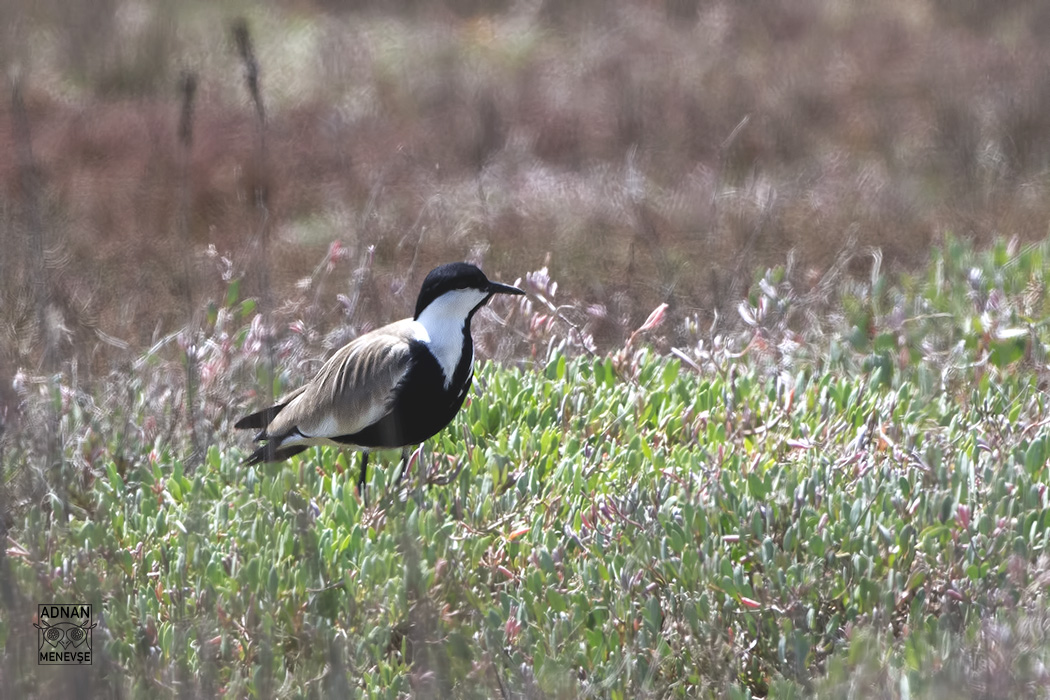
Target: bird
393 387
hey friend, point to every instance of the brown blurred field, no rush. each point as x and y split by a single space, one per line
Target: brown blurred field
647 151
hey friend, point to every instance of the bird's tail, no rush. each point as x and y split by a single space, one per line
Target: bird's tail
260 419
273 452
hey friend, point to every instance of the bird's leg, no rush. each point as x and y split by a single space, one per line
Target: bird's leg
406 453
361 478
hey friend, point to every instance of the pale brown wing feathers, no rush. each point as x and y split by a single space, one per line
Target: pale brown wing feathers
353 388
291 395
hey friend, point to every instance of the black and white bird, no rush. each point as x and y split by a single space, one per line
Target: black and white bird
391 388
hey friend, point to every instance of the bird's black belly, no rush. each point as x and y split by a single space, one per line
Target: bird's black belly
422 407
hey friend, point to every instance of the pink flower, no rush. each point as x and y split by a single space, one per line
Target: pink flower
655 318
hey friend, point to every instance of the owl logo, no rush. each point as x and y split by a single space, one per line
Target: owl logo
65 634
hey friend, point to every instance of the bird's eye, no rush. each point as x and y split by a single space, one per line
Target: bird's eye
53 634
76 634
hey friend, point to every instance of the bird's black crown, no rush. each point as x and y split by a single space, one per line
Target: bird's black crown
449 277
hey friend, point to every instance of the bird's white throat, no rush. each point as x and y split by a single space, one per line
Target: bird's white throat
442 322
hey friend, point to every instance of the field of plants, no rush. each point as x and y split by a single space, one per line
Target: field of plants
771 420
856 508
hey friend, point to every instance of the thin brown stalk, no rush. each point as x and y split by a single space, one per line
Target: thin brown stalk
188 88
260 194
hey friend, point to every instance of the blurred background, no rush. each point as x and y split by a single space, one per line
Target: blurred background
198 199
645 151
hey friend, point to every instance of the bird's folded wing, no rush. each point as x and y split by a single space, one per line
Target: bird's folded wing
354 389
291 395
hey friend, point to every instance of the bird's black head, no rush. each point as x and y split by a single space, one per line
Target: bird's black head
458 275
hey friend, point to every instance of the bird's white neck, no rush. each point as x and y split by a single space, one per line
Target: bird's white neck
443 321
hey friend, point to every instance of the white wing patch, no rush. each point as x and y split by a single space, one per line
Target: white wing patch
326 427
297 439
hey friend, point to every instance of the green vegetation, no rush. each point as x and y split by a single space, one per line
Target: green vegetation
851 502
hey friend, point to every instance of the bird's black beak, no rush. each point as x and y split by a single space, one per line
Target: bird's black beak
497 288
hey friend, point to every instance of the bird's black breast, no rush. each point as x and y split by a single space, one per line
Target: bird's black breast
422 405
